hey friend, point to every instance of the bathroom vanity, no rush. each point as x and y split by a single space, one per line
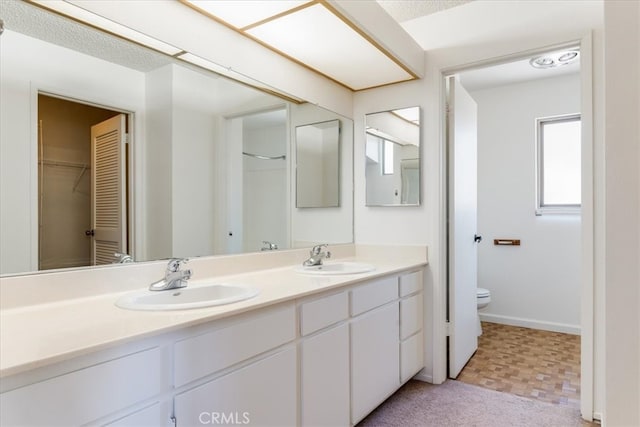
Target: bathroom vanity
307 350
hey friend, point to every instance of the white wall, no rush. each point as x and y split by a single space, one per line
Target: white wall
322 225
622 204
158 166
192 155
182 134
537 284
29 65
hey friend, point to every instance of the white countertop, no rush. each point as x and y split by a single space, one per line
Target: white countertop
33 336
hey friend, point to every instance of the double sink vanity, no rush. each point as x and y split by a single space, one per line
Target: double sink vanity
276 342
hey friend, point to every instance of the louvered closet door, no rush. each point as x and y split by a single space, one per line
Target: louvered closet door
108 185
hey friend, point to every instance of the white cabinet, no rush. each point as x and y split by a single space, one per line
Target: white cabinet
411 325
325 378
221 347
373 294
86 394
156 415
324 361
323 312
411 357
375 360
410 316
262 393
254 362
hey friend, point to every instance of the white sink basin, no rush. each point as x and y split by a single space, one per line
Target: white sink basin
192 296
335 268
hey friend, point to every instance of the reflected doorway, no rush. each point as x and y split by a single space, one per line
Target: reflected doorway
82 191
257 181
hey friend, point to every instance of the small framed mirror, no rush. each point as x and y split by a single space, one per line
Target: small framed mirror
318 165
392 155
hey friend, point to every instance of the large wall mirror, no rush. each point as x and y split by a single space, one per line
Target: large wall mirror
392 156
111 147
318 165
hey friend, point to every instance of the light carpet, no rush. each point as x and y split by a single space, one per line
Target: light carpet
457 404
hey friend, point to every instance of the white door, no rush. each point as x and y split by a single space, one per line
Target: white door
109 208
463 255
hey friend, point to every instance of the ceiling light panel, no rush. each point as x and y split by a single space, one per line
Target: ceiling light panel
240 14
318 38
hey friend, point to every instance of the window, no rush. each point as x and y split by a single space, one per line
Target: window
559 169
387 168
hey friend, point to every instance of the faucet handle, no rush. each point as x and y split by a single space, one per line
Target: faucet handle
317 249
175 264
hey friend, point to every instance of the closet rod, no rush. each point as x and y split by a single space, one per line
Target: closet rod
48 162
257 156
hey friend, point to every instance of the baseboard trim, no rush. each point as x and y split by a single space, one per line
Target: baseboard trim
531 323
597 416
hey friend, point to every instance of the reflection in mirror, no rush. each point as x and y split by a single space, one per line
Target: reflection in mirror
392 155
205 167
318 165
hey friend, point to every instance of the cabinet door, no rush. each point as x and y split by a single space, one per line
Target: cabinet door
411 357
410 316
156 415
262 394
375 359
87 394
325 378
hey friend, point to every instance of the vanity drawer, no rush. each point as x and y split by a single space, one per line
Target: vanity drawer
323 312
205 354
411 357
373 294
82 396
410 315
410 283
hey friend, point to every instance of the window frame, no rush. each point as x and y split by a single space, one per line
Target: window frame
385 159
543 209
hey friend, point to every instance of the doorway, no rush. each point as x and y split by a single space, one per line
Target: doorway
75 190
257 186
511 272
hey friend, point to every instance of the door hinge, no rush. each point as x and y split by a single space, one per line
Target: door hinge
174 421
127 138
448 328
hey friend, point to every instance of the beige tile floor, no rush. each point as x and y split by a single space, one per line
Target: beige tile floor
527 362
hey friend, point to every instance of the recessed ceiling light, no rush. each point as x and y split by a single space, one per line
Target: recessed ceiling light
556 59
566 57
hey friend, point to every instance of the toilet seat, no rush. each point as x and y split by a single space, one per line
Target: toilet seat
483 293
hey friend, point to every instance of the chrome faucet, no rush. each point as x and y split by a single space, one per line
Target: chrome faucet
174 277
268 246
122 258
318 254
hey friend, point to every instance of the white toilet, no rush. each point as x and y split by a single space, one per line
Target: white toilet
483 297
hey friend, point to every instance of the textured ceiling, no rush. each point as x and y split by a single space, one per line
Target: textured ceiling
405 10
32 21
